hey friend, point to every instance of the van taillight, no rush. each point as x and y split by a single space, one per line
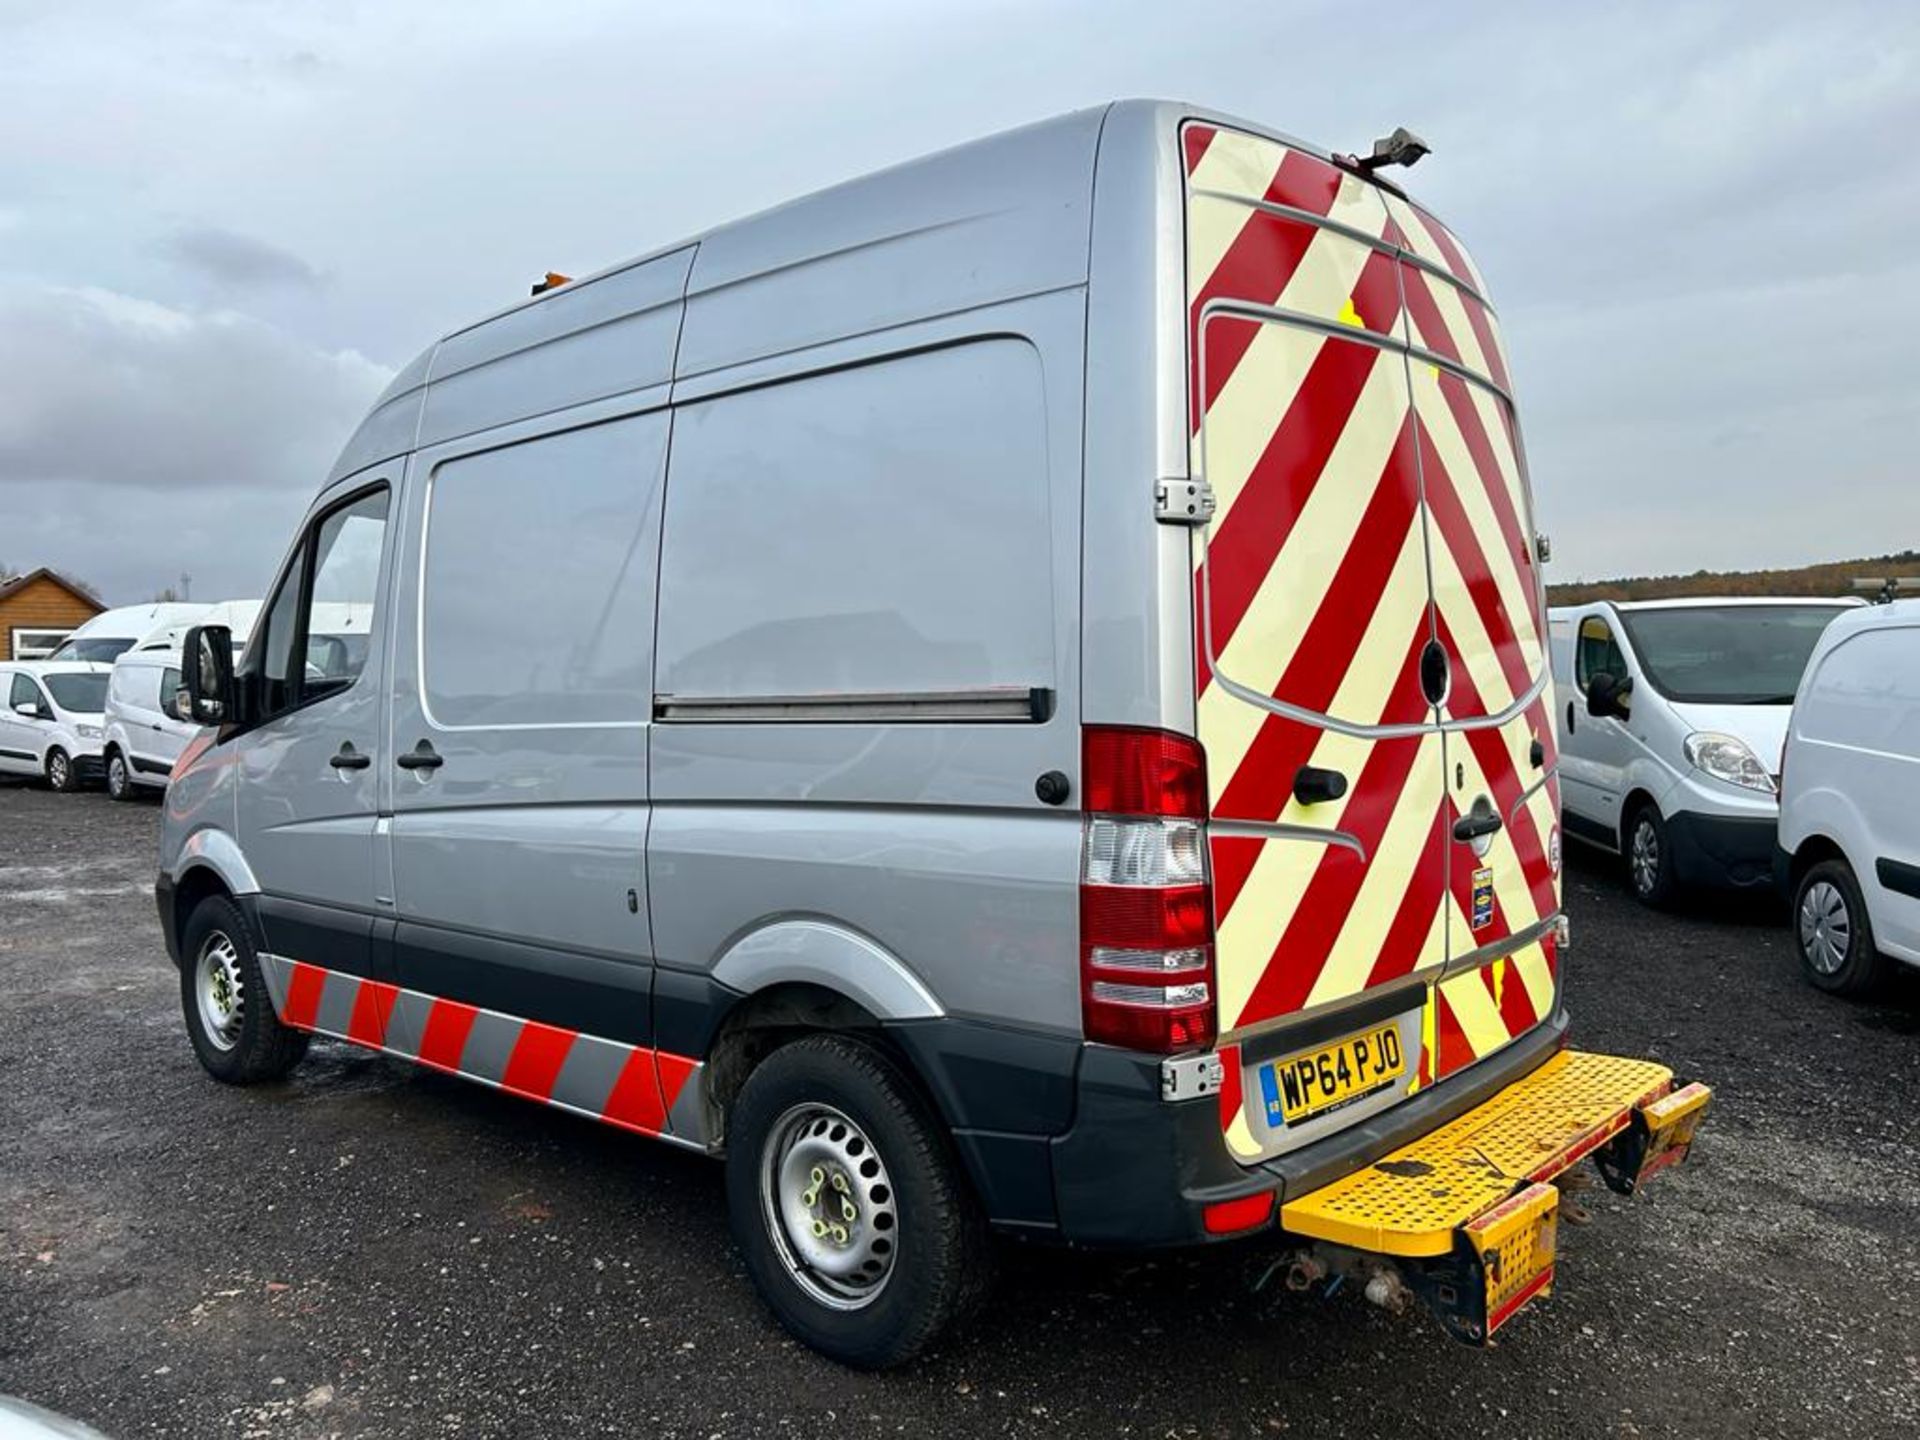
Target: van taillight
1146 905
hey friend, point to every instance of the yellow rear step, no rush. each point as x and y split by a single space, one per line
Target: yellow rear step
1413 1202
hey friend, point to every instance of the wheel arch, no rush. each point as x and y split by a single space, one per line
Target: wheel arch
1811 851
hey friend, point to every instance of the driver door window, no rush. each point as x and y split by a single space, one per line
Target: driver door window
1598 653
24 692
316 638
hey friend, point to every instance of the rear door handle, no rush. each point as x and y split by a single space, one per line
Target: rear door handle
421 757
347 758
1314 786
1477 823
1569 717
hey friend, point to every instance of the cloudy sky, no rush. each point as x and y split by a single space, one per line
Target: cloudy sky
223 226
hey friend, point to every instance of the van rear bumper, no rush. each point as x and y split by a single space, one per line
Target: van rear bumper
1135 1170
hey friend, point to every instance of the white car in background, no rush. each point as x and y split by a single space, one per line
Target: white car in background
53 725
145 734
111 633
1673 716
1850 801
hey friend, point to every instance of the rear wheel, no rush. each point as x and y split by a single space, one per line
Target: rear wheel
846 1199
61 774
223 994
119 782
1649 858
1832 932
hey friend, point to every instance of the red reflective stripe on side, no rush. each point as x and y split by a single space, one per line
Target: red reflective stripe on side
1230 1093
304 988
372 1009
634 1103
536 1060
1197 139
673 1071
445 1038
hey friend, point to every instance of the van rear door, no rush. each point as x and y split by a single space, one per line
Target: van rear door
1315 614
1490 621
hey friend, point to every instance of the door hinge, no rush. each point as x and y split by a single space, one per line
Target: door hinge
1179 501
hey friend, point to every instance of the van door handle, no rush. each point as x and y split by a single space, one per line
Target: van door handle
1314 786
421 757
1477 823
347 758
1569 717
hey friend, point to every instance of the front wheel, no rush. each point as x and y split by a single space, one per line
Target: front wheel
119 782
61 772
848 1204
1832 933
223 994
1650 858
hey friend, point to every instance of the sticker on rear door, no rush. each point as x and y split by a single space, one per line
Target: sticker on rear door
1482 897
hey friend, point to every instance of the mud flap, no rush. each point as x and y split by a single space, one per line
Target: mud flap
1659 1134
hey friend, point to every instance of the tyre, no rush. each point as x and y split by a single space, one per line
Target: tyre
119 782
1649 858
1832 933
223 994
61 772
849 1205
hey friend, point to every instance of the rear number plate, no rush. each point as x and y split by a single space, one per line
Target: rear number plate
1312 1082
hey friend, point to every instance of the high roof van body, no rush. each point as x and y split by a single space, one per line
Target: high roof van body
1009 694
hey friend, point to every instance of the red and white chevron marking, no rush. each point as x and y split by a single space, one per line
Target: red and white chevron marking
1369 498
649 1091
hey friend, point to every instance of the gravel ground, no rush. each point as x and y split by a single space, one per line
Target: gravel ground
375 1250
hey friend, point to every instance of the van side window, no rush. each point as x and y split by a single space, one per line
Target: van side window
169 684
539 577
1596 653
877 531
317 623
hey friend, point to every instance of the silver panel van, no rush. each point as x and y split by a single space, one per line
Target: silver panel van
937 694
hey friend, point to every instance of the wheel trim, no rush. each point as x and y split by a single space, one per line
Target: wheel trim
219 992
116 774
828 1204
1826 927
1645 857
57 767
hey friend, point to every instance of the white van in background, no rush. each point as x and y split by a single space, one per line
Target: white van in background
1850 801
145 734
1673 715
111 633
52 725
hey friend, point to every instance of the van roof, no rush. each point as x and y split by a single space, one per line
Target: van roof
55 667
1695 602
991 220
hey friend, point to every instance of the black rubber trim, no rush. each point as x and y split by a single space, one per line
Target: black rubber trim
611 999
1589 830
1377 1006
993 1077
151 767
20 755
323 935
1899 877
688 1007
163 901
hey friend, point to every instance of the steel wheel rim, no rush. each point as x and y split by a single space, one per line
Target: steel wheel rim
57 769
116 774
1826 927
828 1203
1646 857
220 992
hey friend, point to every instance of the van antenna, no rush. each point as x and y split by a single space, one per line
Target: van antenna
1402 147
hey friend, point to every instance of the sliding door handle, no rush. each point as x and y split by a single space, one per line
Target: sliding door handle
421 757
346 758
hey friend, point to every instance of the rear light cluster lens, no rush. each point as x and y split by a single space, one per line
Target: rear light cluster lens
1146 906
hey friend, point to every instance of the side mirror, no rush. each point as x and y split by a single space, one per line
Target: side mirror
28 708
207 668
180 704
1607 695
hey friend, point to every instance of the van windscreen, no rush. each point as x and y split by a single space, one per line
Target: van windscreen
82 694
1727 654
101 650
